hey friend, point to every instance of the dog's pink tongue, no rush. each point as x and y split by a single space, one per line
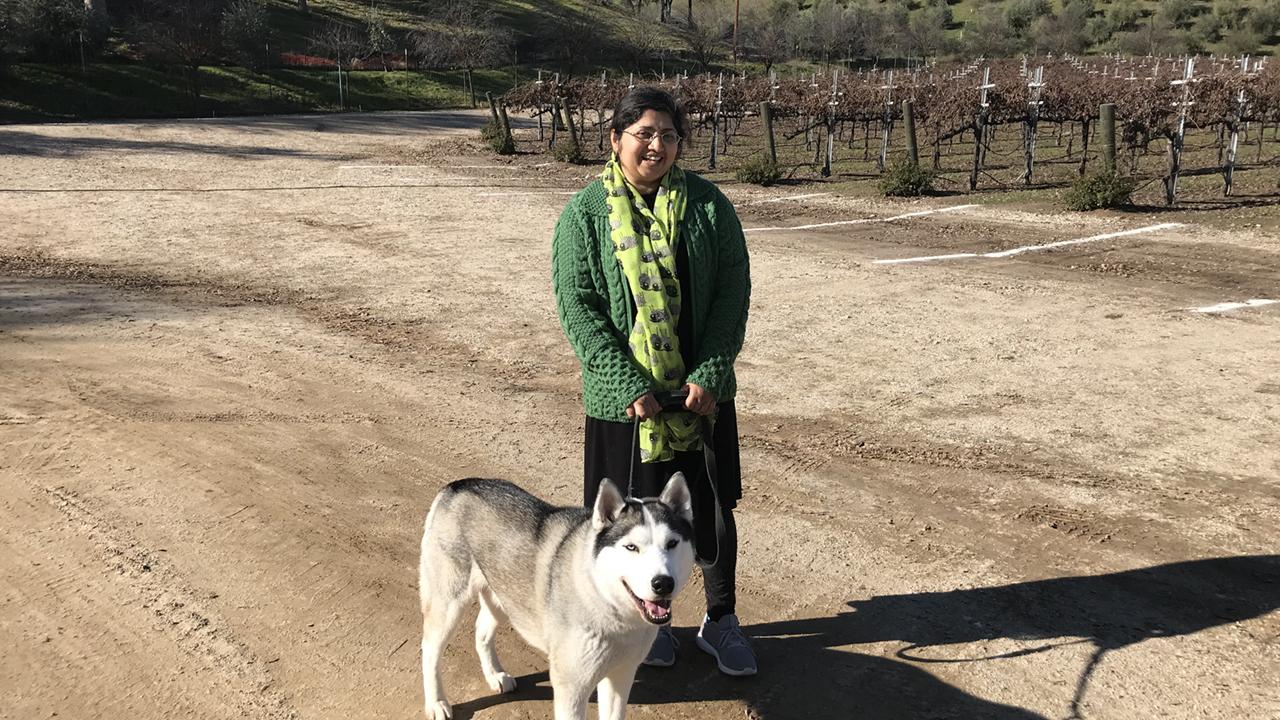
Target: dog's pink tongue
655 610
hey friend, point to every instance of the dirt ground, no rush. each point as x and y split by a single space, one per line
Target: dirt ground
239 357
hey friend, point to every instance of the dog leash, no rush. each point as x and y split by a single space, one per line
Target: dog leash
675 401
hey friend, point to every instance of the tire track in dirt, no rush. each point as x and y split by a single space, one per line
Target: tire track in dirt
179 611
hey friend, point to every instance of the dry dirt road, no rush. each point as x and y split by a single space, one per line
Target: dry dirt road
239 357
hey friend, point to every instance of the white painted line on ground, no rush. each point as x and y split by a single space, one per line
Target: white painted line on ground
1094 238
528 192
791 197
1227 306
1029 248
926 258
863 221
414 167
382 167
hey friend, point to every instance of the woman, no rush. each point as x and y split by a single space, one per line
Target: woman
651 279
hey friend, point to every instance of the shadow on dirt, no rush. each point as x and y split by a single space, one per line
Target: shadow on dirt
807 671
1108 611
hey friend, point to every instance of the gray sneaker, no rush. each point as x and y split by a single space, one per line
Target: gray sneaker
663 651
725 641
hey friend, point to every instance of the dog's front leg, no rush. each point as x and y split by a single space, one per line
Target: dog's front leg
614 689
575 669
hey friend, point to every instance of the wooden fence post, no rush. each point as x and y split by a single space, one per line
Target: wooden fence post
1107 127
909 126
493 107
766 115
506 122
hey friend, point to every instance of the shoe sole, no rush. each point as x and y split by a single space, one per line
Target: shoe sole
658 663
706 646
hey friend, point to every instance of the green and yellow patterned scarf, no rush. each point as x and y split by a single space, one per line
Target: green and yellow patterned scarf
644 241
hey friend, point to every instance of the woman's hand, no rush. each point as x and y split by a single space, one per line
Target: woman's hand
700 400
646 407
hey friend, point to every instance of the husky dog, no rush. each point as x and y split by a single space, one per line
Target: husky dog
588 588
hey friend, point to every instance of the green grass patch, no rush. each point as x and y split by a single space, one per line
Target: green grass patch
34 92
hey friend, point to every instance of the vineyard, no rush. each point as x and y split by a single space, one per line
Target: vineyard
996 124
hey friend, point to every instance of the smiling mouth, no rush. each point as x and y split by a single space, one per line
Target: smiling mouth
657 612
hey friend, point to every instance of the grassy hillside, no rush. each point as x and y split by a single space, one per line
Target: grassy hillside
570 36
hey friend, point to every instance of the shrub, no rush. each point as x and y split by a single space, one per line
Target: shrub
567 151
1100 190
903 179
497 138
760 170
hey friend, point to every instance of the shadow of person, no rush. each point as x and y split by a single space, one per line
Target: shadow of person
1109 611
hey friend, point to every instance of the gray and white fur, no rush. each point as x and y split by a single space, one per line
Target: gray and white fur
587 587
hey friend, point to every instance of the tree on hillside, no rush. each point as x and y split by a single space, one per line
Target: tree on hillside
927 29
185 32
768 35
379 38
340 41
705 43
988 35
580 43
1063 32
830 31
246 32
463 34
52 30
1021 15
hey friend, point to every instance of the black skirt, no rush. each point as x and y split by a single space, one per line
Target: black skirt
610 449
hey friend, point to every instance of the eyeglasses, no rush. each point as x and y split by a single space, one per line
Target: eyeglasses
646 136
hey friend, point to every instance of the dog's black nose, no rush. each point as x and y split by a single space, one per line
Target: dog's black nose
663 584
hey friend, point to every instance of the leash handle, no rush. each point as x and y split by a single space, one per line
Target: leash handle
669 401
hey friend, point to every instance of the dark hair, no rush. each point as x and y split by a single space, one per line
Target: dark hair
635 103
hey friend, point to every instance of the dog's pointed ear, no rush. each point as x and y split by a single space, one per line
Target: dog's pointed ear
609 504
676 496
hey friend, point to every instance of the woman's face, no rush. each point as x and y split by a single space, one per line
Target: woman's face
645 163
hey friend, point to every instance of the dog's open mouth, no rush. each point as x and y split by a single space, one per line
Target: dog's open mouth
657 612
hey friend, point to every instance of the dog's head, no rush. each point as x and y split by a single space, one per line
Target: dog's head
643 548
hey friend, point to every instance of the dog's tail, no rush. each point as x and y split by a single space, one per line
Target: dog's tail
423 569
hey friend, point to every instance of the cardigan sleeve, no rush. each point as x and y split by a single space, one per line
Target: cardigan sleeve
726 324
583 307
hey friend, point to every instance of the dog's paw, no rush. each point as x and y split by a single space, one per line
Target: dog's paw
501 682
439 710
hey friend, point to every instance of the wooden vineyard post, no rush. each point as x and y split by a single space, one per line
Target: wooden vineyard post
541 135
887 120
1034 85
909 127
1107 128
568 122
766 116
555 121
979 128
831 123
1229 167
604 86
1175 142
715 123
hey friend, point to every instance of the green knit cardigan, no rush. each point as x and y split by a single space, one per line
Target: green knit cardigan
597 311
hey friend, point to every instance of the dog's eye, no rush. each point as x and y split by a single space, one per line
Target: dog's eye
672 543
630 547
